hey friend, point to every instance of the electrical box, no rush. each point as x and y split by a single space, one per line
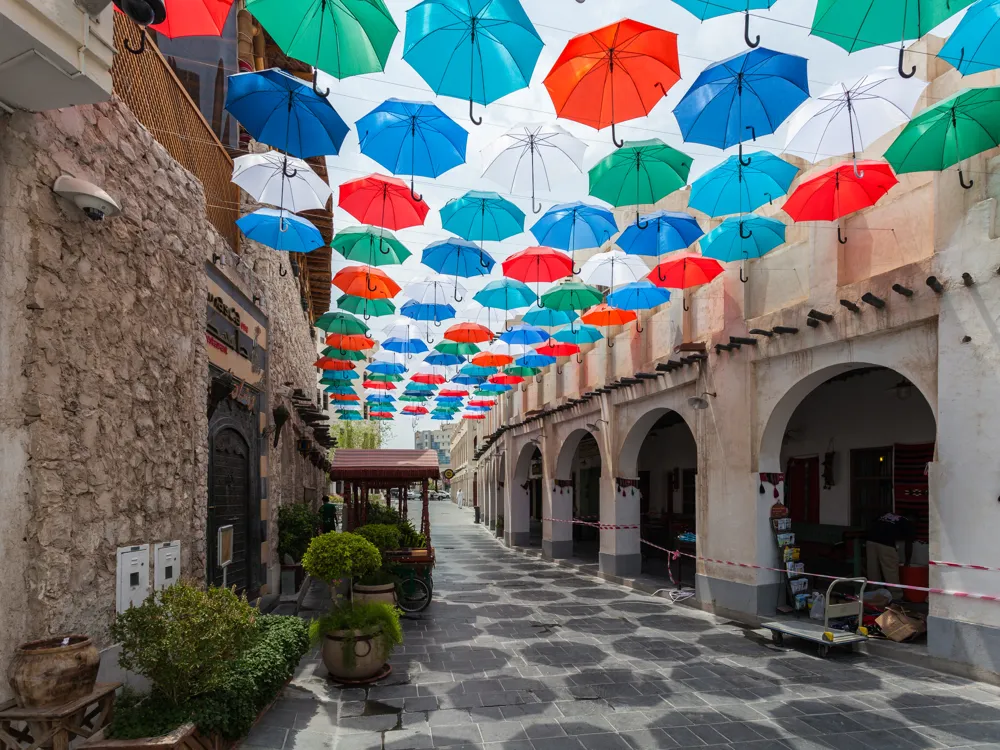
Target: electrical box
166 564
133 576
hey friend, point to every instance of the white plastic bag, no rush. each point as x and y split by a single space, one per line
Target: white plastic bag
818 608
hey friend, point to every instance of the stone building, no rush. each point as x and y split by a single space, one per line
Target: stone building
436 440
147 359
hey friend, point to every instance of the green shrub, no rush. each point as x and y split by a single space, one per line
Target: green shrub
183 638
249 684
297 525
382 535
409 537
340 554
381 514
370 619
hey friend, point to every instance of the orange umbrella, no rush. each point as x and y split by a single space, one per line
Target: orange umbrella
469 333
345 397
605 315
325 363
489 359
353 342
366 281
613 74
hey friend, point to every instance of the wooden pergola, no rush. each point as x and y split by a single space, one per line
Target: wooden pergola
364 471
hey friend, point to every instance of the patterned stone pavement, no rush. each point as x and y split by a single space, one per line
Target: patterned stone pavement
519 654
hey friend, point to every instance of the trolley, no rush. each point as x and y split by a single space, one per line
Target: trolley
823 634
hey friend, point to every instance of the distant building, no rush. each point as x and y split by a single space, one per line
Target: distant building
436 440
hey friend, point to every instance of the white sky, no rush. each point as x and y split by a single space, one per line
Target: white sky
784 28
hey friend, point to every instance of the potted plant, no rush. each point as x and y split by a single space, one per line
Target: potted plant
380 585
297 525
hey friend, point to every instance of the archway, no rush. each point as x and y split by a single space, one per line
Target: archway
661 453
576 496
522 526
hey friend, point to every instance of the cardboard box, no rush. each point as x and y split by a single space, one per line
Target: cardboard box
899 625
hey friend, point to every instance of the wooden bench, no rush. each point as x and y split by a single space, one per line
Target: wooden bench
56 726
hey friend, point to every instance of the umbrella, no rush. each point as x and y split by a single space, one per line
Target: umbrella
281 180
639 172
705 9
860 24
355 342
532 153
441 417
421 388
349 416
606 316
491 360
489 388
659 232
837 191
546 318
351 355
538 264
377 416
849 117
482 216
600 269
505 379
469 333
342 393
452 393
473 416
282 232
474 409
367 308
480 50
443 360
359 243
428 302
280 110
478 371
383 202
456 257
414 138
413 398
334 377
575 226
973 46
376 385
742 238
380 398
522 372
406 346
524 334
733 187
340 322
365 281
386 368
415 410
555 348
383 377
616 73
505 294
954 129
325 363
358 33
428 378
457 348
535 360
684 271
639 295
571 295
745 96
182 18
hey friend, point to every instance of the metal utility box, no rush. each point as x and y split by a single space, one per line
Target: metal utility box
133 576
166 564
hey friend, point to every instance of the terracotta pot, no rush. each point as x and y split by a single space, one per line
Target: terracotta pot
48 673
385 592
370 654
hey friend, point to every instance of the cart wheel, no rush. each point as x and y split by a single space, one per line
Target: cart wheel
824 650
777 638
414 595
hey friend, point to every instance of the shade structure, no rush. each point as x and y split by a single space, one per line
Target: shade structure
355 342
333 352
381 398
456 257
382 202
325 363
571 295
378 416
639 295
684 271
362 245
342 393
538 264
491 360
281 180
524 335
337 321
837 191
366 308
734 187
974 46
193 18
859 24
340 37
469 333
480 409
555 348
613 74
575 226
441 417
548 318
480 50
482 216
505 294
366 281
604 316
613 268
280 110
659 232
281 230
639 172
743 238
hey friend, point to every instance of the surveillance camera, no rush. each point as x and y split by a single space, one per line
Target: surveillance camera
89 198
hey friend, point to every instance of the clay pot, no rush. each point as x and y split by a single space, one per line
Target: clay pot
48 673
370 654
385 592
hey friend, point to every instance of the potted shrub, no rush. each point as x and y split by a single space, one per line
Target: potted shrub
380 585
297 525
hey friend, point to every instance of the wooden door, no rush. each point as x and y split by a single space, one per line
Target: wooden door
802 489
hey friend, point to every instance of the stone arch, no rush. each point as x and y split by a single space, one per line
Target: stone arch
628 455
567 450
517 516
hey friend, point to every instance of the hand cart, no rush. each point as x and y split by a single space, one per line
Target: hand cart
823 634
416 584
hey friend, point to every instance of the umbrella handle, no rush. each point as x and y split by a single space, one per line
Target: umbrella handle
322 94
559 371
748 159
472 116
506 326
899 67
538 378
961 180
660 274
368 283
413 193
282 224
638 328
684 302
430 339
840 237
746 236
858 173
614 139
437 323
281 271
579 358
537 210
611 344
639 224
381 242
285 172
744 280
746 33
483 262
770 200
142 43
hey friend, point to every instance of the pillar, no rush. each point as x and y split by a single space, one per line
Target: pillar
517 510
345 521
557 502
405 511
620 548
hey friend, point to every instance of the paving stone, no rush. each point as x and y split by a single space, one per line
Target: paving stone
456 735
304 739
266 736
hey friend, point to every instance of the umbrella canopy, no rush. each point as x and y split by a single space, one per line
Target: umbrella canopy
480 50
383 377
684 271
505 379
367 308
521 371
547 318
386 368
359 244
412 398
614 74
538 264
280 110
837 191
340 322
414 138
613 268
191 18
555 348
281 230
380 398
482 216
733 187
407 346
456 348
452 393
972 46
743 238
469 333
427 311
639 295
456 257
443 360
376 385
417 410
535 360
488 388
351 355
468 379
340 37
639 172
325 363
944 134
575 226
382 202
281 180
530 156
524 335
491 360
659 232
349 416
605 316
505 294
571 295
478 371
428 378
849 117
354 342
741 98
365 281
473 415
706 9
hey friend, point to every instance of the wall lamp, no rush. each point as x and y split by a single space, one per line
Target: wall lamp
594 426
699 403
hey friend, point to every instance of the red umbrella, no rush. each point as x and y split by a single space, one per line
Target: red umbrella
535 264
354 342
481 402
428 378
191 18
553 348
345 397
473 416
377 385
605 315
325 363
382 202
469 333
840 190
503 379
685 270
381 414
415 410
453 393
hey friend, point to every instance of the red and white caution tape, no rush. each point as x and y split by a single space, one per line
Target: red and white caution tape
580 522
965 566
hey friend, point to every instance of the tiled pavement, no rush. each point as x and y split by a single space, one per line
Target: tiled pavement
518 654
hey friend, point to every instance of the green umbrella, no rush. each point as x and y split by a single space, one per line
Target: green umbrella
639 172
367 308
447 409
340 37
383 377
343 323
956 128
457 348
346 354
860 24
485 394
413 399
368 245
524 372
571 295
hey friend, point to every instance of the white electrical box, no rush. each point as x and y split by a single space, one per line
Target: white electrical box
133 576
166 564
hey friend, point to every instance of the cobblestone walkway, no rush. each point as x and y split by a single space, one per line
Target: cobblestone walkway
519 654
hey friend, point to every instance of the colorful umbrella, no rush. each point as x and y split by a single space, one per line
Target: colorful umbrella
482 216
605 316
601 269
536 359
428 378
414 138
415 410
613 74
705 9
367 308
504 379
837 191
281 230
457 348
575 226
740 238
469 333
452 393
524 335
974 46
546 318
456 257
482 402
491 360
639 295
376 385
412 398
490 388
365 281
383 377
473 415
340 322
405 345
281 180
478 371
386 368
355 342
358 244
382 202
659 232
639 172
733 187
480 50
351 355
684 271
555 348
537 265
505 294
181 18
443 360
349 416
325 363
571 295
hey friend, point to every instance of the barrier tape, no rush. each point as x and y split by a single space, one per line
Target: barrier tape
607 526
966 566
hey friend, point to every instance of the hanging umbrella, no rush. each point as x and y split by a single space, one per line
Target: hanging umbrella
974 46
415 410
733 187
383 377
535 360
340 322
325 363
575 226
482 402
281 230
428 302
443 360
520 372
367 308
537 265
639 172
837 191
455 257
954 129
358 244
490 388
349 416
342 393
505 294
377 416
614 74
505 379
380 398
849 117
524 335
340 37
491 360
571 295
280 110
421 388
457 348
452 393
743 237
478 371
413 398
386 368
365 281
684 271
473 415
859 24
639 295
336 377
554 348
382 202
606 316
546 318
354 342
741 98
480 50
375 385
414 138
469 333
527 156
613 268
482 216
705 9
351 355
176 19
281 180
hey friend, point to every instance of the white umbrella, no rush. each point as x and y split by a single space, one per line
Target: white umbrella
281 180
529 156
431 292
849 117
613 268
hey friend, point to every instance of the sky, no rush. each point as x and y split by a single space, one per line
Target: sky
784 28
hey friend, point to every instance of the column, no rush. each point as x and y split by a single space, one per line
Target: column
404 510
620 548
557 504
517 511
345 513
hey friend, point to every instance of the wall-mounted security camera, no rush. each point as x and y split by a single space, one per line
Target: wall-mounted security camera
88 197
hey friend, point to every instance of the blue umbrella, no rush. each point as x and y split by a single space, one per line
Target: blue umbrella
272 227
535 360
505 294
467 379
442 417
407 346
424 388
638 295
478 50
974 45
659 232
349 416
478 408
548 318
478 371
578 334
456 257
482 216
445 360
743 97
340 375
385 398
525 335
705 9
733 187
280 110
414 138
495 387
387 368
575 226
743 238
340 389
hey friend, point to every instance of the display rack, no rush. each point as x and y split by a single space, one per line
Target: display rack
797 587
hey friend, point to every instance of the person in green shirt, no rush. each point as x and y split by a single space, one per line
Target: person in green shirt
328 515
